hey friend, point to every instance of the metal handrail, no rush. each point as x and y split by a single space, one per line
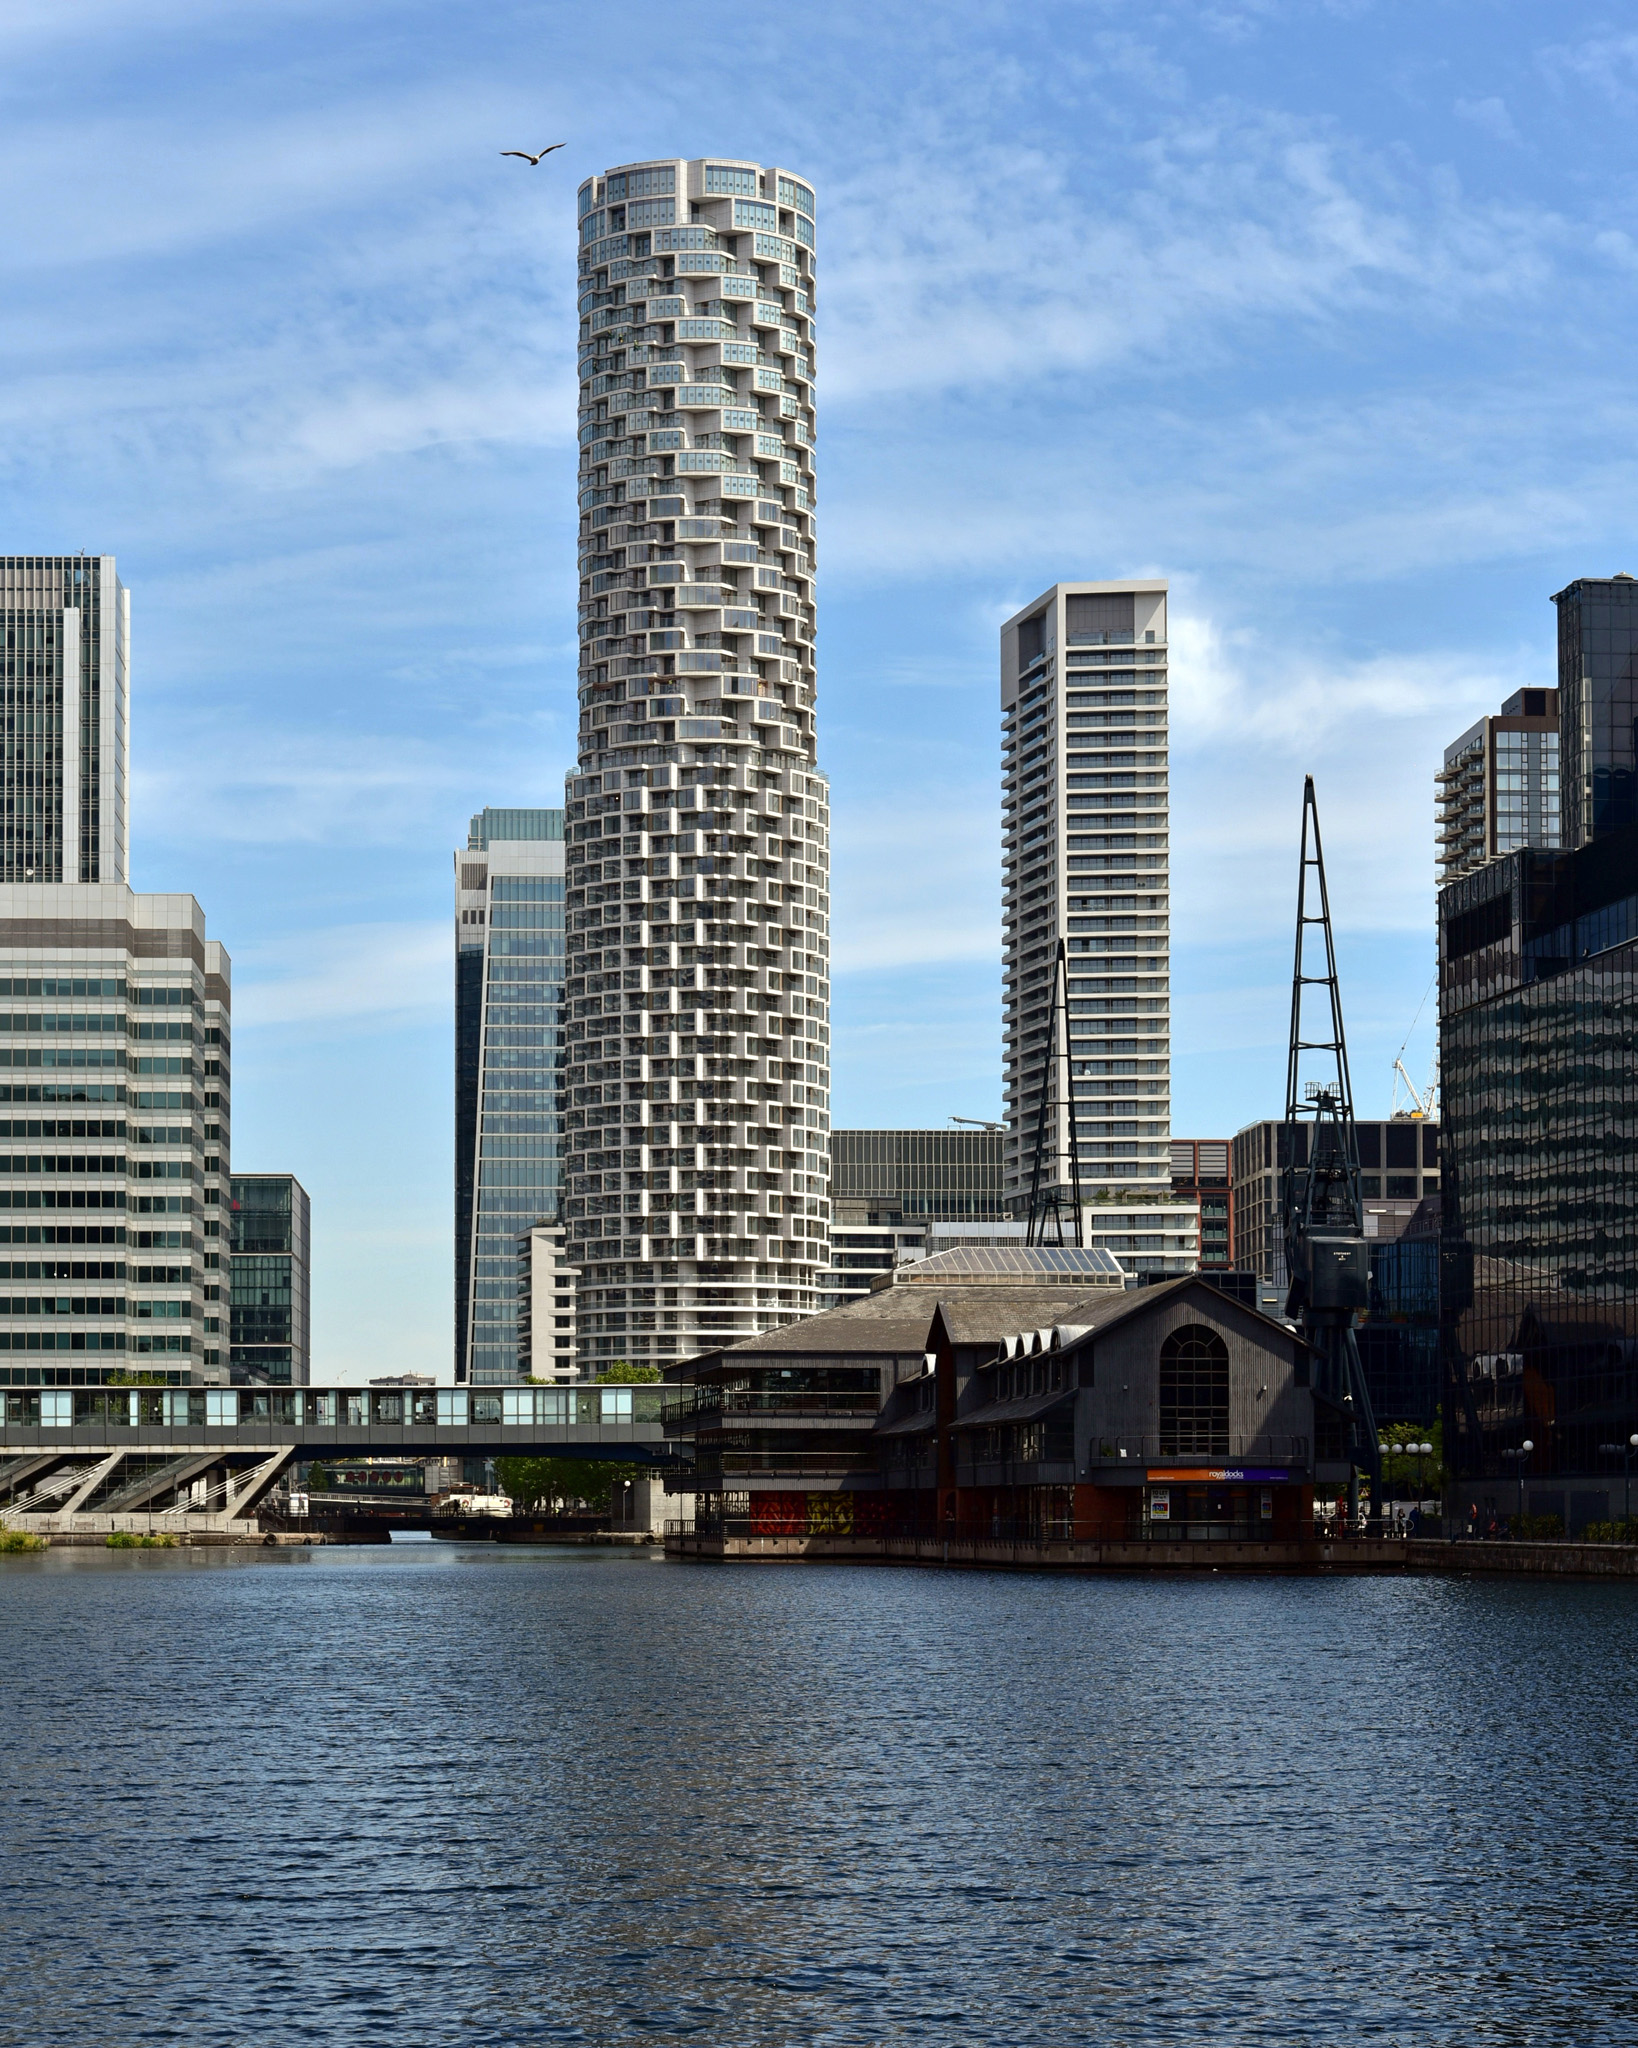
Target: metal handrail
1264 1449
745 1401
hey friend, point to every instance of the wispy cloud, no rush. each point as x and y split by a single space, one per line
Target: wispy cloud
345 972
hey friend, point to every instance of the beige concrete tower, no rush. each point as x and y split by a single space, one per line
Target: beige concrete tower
1084 788
697 823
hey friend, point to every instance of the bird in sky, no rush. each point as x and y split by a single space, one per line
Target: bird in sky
527 158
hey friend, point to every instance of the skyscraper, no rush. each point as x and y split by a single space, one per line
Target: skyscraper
1598 705
508 1073
115 1047
698 824
1498 788
65 629
1083 707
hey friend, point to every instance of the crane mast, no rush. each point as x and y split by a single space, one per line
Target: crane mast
1054 1214
1326 1255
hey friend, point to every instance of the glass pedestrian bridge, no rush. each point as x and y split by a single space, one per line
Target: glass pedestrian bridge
622 1422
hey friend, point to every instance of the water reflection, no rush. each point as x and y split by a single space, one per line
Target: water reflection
435 1794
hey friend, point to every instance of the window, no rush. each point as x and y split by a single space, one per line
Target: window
730 178
1194 1394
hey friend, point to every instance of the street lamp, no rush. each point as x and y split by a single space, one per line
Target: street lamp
1522 1455
1624 1451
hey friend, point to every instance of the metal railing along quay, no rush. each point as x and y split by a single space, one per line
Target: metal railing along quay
713 1401
1211 1457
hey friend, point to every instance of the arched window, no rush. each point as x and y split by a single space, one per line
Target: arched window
1194 1394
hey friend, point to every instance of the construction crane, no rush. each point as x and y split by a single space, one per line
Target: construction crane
1054 1203
1326 1256
979 1123
1422 1100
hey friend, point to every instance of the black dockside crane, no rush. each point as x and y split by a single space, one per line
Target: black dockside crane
1326 1255
1054 1205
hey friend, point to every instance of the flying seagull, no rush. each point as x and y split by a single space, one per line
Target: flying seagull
527 158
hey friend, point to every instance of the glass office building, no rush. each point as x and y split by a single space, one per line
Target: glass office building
271 1290
1539 1258
1598 705
892 1177
508 1073
115 1016
65 629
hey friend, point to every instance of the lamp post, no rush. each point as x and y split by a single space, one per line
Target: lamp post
1624 1452
1522 1456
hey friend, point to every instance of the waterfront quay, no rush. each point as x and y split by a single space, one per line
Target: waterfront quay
1319 1557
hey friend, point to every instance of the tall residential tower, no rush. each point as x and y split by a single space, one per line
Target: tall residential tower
698 824
1083 710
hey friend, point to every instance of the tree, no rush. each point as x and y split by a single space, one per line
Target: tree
576 1482
620 1374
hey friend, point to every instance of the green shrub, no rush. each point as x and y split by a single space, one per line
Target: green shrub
1536 1528
1610 1532
19 1542
122 1539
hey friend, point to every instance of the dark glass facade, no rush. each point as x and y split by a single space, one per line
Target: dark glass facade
1539 1260
1598 706
270 1298
509 959
904 1176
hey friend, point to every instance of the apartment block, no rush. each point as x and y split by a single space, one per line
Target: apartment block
1084 799
698 904
546 1304
1498 789
1200 1174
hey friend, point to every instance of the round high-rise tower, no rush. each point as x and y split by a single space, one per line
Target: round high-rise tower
697 1010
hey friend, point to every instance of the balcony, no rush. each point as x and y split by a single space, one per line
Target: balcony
719 1405
1133 1453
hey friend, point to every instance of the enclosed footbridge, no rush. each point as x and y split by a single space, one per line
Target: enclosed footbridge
207 1457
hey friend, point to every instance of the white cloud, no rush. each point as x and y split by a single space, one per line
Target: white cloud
1250 719
914 884
271 788
1014 262
1490 116
344 972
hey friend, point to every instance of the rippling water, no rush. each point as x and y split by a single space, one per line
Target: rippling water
428 1795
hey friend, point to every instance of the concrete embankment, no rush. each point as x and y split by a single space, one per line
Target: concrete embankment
1317 1557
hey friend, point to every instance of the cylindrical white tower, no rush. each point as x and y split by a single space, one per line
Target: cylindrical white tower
697 1090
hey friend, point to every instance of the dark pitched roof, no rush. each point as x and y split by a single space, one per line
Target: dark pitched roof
1096 1313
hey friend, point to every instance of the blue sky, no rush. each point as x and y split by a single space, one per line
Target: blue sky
1324 311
